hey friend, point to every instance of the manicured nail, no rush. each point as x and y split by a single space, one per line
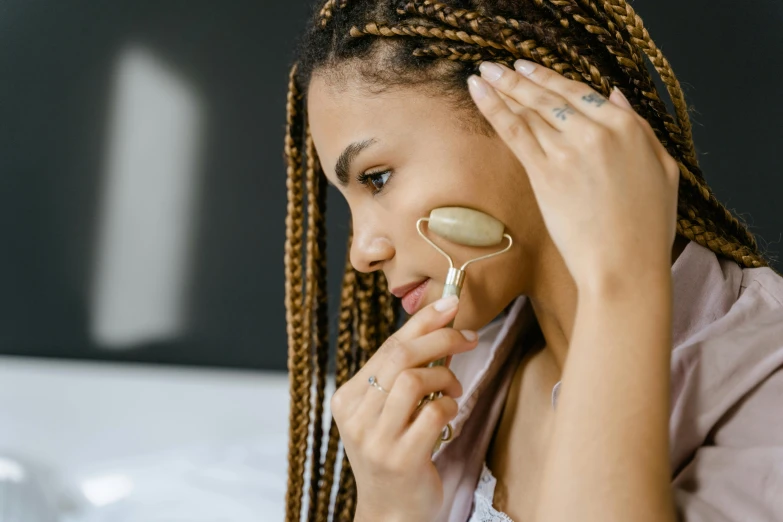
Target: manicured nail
469 335
622 97
477 89
445 304
490 71
525 67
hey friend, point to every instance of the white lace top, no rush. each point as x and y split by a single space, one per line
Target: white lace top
482 500
485 490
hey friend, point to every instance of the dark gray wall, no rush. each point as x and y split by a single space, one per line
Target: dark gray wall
56 63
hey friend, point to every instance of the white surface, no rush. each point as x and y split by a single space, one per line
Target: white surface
144 444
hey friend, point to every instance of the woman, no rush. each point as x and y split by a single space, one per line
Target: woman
620 362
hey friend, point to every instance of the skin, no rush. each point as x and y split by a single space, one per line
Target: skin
585 279
455 168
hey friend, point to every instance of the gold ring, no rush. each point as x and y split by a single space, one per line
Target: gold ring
450 431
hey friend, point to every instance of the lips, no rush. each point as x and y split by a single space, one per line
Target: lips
411 295
400 291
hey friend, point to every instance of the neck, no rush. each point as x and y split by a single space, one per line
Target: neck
554 301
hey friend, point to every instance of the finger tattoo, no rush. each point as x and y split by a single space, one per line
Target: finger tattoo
562 113
594 98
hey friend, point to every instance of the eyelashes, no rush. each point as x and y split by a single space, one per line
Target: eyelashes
375 181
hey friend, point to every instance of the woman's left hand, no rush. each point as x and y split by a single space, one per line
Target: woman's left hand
606 187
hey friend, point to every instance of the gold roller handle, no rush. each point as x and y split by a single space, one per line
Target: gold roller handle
464 226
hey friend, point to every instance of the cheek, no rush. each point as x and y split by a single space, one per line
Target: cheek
490 286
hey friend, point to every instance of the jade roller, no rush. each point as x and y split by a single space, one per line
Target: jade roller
466 227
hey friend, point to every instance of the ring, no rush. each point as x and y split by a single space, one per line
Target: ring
448 429
374 383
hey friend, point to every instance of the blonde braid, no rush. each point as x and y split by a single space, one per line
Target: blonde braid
493 30
707 234
345 503
456 52
528 49
626 17
345 360
316 282
387 309
629 58
298 360
439 33
327 11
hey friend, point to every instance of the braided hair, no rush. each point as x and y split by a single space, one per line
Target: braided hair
439 45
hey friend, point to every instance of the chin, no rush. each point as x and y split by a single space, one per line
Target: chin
468 318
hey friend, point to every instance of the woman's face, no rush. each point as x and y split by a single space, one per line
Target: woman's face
396 156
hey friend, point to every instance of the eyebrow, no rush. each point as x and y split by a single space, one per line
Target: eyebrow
346 158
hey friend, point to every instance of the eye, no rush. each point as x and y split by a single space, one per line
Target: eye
376 181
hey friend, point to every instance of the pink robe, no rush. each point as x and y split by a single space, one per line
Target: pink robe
726 424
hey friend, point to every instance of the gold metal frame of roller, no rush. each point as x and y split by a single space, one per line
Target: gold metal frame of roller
465 227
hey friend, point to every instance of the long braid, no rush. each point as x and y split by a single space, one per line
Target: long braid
298 356
327 11
625 16
367 339
574 53
388 309
344 360
456 52
316 280
715 208
345 502
631 65
495 29
529 48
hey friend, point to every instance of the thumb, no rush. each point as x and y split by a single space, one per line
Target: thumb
618 98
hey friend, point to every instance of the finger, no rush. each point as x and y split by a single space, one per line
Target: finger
618 98
371 403
416 354
422 351
430 318
410 387
526 134
428 425
514 105
559 112
408 356
578 94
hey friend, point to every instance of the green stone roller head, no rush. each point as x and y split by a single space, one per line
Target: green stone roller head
466 227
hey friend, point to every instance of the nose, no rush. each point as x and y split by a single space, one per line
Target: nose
369 249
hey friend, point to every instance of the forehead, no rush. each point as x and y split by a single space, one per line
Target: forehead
344 112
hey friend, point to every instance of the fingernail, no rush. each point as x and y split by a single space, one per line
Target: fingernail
469 335
477 89
623 99
445 304
525 67
490 71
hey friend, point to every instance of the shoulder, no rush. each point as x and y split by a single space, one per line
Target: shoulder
762 287
723 363
727 422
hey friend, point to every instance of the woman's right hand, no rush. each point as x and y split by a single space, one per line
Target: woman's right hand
387 438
